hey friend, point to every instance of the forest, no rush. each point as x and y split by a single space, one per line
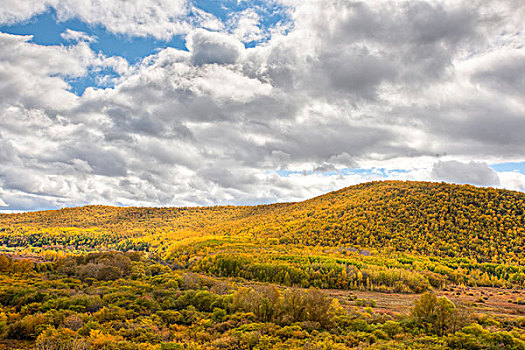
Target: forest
332 272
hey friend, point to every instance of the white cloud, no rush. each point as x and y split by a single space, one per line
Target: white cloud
212 47
223 84
158 18
423 87
161 19
73 35
246 26
473 173
12 11
33 76
512 181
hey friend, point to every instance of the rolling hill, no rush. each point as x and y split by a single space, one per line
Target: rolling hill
402 236
426 218
99 277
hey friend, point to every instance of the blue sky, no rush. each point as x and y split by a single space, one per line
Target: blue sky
47 29
513 167
517 167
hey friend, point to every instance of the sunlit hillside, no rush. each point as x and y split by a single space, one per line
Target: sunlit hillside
405 236
443 220
342 270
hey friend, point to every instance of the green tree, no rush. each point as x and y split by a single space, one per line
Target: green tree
444 311
424 310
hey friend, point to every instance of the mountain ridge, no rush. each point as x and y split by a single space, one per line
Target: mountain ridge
416 235
87 206
427 218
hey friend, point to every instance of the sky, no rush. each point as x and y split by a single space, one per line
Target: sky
207 102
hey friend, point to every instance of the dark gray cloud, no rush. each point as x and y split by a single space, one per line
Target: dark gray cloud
411 43
353 70
505 73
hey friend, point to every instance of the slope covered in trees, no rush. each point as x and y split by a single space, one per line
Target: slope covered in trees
251 277
114 301
426 218
392 236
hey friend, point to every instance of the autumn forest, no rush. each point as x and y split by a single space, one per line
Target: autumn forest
379 265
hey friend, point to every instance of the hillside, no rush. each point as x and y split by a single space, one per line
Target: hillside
228 277
418 217
401 236
425 218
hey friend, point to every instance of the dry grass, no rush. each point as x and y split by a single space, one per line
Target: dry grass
484 300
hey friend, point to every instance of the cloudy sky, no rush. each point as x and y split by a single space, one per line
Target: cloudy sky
201 102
